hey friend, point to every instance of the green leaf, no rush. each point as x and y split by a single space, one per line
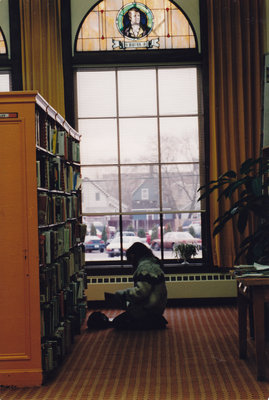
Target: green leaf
209 191
242 220
250 186
229 174
224 218
246 165
221 224
207 185
256 185
229 190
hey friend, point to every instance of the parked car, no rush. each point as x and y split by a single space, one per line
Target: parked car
124 233
113 248
94 243
195 227
172 238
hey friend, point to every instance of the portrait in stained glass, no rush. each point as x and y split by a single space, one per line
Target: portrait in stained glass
122 25
135 20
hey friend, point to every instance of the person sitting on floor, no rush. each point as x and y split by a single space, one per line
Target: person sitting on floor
146 301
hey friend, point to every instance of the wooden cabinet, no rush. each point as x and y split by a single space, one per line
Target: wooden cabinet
26 342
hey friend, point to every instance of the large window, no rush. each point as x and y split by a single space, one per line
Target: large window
141 158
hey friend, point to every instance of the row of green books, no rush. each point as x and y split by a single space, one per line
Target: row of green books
54 174
53 138
61 306
58 345
55 349
60 240
57 208
55 277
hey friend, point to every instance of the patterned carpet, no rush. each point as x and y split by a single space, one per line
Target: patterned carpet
195 358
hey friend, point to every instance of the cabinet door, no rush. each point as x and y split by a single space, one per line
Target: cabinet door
14 282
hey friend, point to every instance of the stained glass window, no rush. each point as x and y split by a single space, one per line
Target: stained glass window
122 25
3 49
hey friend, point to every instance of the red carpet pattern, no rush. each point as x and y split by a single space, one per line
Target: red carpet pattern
195 358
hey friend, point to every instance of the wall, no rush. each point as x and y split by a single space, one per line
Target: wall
190 7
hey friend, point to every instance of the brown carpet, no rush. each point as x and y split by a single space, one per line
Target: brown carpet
195 358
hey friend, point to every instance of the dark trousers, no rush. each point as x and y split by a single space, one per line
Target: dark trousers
125 322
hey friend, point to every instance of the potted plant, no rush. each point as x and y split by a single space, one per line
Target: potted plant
251 187
185 251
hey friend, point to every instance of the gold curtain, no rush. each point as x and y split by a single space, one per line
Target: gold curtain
42 64
235 49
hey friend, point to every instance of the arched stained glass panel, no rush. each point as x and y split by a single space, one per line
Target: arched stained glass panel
3 48
123 25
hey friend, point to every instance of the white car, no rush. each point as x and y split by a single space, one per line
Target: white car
113 248
124 233
172 238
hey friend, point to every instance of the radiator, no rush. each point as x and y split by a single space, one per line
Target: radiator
183 286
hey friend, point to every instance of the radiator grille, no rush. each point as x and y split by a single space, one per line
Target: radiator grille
168 278
178 286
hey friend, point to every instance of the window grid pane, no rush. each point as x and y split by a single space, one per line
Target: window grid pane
126 179
5 81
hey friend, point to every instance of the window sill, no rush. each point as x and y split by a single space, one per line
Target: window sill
175 268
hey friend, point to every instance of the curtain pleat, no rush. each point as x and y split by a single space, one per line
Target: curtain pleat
235 49
42 64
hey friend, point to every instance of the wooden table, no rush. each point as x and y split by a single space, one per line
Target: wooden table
253 292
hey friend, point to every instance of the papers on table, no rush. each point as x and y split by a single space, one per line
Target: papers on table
254 271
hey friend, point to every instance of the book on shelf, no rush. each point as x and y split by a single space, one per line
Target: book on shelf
42 249
54 135
75 152
54 244
81 230
50 136
38 176
47 173
43 132
43 209
37 127
67 239
56 173
47 246
76 180
60 241
60 146
72 263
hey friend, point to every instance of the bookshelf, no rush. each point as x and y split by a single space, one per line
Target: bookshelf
41 239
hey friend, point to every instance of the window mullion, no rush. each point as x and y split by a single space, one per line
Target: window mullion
119 160
159 160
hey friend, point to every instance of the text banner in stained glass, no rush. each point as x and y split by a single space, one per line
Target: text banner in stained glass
125 45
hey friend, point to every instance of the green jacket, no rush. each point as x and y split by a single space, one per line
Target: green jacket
149 294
